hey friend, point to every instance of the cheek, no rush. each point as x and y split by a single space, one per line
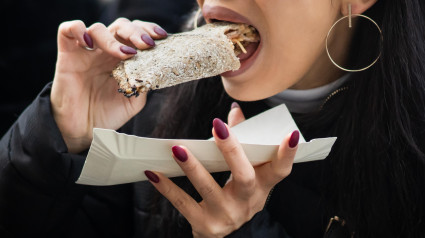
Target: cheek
296 38
293 34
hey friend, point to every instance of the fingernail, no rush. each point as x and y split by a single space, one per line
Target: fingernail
234 105
158 30
179 153
88 40
148 40
220 129
128 50
152 176
295 137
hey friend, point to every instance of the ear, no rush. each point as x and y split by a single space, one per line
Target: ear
357 6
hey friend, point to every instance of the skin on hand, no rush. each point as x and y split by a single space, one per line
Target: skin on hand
224 210
84 95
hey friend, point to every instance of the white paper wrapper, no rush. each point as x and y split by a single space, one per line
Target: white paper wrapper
116 158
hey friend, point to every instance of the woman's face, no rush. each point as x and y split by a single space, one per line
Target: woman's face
291 53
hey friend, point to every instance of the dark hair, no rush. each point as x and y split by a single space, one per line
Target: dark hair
376 172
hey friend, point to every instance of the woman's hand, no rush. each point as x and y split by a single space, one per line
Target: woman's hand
84 95
226 209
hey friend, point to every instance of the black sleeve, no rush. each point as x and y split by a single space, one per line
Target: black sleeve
37 176
261 225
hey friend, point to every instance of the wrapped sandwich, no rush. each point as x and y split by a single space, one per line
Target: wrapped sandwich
204 52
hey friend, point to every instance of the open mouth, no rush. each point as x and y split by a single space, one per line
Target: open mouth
246 42
245 39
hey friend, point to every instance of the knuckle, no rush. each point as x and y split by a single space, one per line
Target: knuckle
152 25
231 149
167 191
138 22
136 40
122 20
283 172
206 190
78 23
110 43
180 203
118 23
190 167
97 26
64 25
247 180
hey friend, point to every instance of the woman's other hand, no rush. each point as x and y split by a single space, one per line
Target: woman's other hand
84 95
224 210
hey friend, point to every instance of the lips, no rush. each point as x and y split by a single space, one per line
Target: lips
218 13
212 13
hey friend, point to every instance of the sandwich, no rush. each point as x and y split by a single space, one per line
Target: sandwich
204 52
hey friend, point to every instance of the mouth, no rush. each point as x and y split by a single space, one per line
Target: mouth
246 38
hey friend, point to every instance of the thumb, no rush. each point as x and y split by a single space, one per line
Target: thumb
235 115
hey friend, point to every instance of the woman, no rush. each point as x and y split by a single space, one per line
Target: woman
373 180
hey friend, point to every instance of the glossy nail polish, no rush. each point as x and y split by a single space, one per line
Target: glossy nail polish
148 40
295 137
234 105
179 153
88 40
152 176
160 31
128 50
220 129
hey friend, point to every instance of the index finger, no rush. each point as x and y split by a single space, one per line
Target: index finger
104 39
242 171
72 30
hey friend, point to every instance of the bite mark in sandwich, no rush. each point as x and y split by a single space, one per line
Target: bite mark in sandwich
204 52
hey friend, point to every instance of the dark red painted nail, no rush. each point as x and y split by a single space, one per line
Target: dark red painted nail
88 40
179 153
128 50
148 40
234 105
220 129
158 30
295 137
152 176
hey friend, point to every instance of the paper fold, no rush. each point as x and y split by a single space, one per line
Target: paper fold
116 158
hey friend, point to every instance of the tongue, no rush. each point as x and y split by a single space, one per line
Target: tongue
250 49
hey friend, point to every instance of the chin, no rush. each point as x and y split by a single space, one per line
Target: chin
244 92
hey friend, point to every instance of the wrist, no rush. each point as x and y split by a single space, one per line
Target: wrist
76 135
76 145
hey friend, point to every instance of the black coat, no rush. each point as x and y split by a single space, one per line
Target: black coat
39 197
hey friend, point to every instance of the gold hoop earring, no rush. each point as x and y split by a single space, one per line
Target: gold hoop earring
196 19
350 26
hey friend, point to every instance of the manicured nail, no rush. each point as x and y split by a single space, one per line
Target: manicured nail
158 30
234 105
148 40
295 137
179 153
128 50
152 176
88 40
220 129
